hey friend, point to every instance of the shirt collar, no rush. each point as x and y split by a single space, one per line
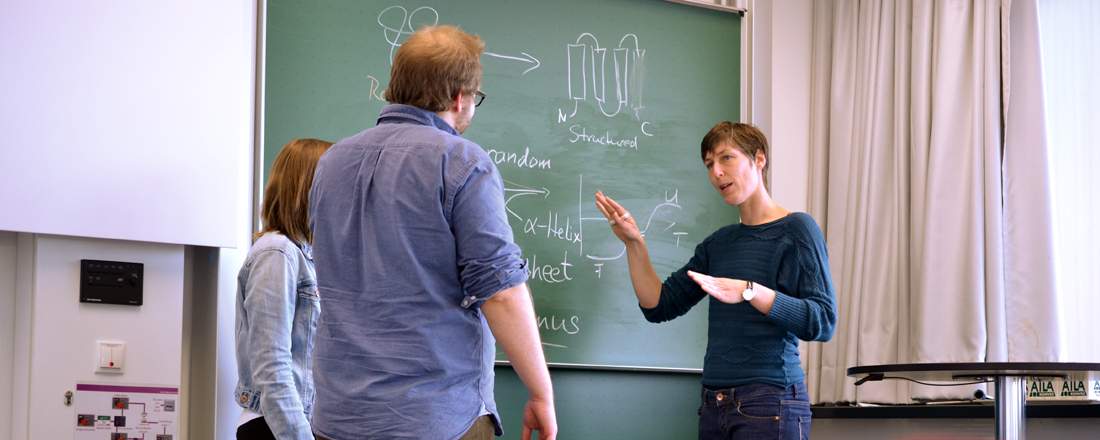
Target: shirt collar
307 250
401 113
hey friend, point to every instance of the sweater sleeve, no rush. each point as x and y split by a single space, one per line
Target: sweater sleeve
809 309
679 293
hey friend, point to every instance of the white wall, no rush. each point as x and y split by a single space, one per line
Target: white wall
62 332
7 326
790 135
226 410
123 120
21 352
781 93
118 116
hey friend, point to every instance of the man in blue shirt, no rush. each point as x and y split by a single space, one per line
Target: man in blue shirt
416 266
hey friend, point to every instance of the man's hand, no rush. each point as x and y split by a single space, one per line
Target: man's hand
511 316
539 415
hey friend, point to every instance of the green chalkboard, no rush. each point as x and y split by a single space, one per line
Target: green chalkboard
609 95
594 404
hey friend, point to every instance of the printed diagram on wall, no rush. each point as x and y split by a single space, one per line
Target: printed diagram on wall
123 412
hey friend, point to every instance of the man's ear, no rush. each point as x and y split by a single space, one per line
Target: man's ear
761 159
456 103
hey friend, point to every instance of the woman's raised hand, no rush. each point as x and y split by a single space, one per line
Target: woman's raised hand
620 220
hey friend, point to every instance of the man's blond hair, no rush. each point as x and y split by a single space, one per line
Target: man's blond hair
433 66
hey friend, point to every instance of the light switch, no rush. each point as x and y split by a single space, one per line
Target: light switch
110 357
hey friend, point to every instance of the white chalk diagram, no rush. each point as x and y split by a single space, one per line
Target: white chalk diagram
568 227
611 80
565 231
588 71
398 22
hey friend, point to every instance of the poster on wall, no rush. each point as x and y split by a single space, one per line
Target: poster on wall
125 412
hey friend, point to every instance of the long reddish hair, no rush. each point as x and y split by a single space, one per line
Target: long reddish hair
286 196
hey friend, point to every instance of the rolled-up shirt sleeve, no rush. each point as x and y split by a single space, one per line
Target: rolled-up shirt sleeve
489 260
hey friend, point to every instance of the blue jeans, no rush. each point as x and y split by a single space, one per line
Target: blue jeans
755 411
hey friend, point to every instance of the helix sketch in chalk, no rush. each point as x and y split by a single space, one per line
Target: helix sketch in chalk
397 22
671 202
590 71
567 227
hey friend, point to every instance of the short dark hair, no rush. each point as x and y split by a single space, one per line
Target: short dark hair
433 66
745 137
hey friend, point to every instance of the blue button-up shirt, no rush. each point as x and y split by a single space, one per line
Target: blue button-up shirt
410 238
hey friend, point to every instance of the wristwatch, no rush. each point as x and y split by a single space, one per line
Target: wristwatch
748 294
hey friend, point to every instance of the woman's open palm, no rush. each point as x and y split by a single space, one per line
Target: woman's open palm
622 223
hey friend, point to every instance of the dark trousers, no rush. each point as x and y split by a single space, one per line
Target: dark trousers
255 429
755 411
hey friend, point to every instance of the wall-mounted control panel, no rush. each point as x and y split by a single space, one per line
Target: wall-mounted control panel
111 282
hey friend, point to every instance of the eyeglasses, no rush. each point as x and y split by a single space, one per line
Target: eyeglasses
479 97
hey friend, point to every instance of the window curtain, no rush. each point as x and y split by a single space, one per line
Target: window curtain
1032 302
1070 48
907 169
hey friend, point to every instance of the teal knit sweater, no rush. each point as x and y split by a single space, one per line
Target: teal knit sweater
743 345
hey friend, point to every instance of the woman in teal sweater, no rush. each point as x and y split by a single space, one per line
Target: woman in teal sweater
769 283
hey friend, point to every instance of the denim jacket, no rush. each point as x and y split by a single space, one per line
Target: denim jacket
277 311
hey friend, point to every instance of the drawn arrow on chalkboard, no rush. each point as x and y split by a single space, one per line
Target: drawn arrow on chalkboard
525 191
527 58
516 192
